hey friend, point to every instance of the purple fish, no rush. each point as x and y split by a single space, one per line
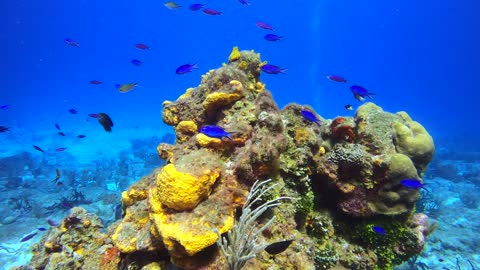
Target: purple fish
336 78
187 68
272 37
28 236
272 69
136 62
360 92
196 7
215 132
378 230
73 111
211 11
264 25
72 42
412 183
81 136
308 115
4 129
244 2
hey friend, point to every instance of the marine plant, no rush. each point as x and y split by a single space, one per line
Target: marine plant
241 243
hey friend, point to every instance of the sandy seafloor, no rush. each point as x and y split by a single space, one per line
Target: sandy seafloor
106 164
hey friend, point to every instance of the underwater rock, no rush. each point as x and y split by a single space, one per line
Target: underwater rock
345 171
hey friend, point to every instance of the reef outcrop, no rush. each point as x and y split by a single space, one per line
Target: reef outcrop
345 173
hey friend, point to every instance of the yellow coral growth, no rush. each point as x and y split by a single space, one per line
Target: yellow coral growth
243 65
124 247
218 99
187 94
206 141
185 129
191 237
132 195
234 55
259 87
183 191
170 114
236 85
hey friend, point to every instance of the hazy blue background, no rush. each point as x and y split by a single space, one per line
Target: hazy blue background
418 56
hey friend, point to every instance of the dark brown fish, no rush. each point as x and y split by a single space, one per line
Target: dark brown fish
278 247
105 121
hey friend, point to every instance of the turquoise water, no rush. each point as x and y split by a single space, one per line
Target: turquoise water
420 57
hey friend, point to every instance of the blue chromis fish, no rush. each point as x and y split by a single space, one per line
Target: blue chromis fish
278 247
172 5
272 37
412 183
187 68
360 93
72 42
244 2
72 111
378 230
308 115
32 234
215 132
28 236
196 7
124 88
272 69
136 62
39 149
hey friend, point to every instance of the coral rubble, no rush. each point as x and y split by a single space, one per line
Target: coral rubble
345 173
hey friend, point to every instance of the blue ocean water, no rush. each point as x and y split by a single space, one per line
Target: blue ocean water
416 56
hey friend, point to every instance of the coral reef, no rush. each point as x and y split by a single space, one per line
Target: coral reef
345 172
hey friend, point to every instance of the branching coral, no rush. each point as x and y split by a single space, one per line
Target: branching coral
241 243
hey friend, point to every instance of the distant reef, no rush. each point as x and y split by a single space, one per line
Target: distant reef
349 207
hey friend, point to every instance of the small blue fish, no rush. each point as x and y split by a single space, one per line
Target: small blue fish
412 183
360 92
196 7
28 236
72 42
73 111
378 230
308 115
215 132
41 229
57 126
5 107
272 69
187 68
272 37
136 62
244 2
